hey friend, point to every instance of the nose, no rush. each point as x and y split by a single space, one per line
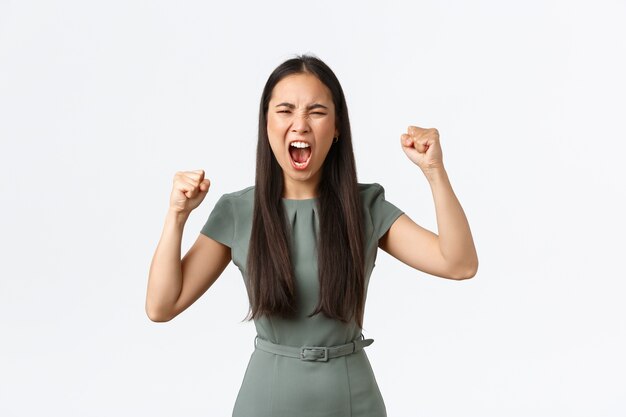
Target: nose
300 124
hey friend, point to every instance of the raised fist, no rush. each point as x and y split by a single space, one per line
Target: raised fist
190 188
422 147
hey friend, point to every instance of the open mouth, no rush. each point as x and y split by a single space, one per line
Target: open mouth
300 153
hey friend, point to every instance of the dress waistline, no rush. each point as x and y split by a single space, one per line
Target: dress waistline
313 353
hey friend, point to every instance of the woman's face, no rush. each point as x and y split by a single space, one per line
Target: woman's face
301 126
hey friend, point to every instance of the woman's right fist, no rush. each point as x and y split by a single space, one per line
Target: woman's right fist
188 191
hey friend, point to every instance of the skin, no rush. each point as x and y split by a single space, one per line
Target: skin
451 254
315 126
175 284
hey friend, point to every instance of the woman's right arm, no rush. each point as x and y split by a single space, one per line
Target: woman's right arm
175 284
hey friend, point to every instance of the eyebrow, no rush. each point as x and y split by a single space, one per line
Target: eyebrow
310 107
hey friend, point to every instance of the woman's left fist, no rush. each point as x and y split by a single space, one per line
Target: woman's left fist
422 147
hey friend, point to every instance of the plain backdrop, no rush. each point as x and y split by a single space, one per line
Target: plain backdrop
101 102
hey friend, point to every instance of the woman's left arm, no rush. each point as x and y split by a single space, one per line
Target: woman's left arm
452 253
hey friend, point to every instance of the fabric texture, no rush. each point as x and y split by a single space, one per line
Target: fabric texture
279 386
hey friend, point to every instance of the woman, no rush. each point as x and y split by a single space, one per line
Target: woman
305 238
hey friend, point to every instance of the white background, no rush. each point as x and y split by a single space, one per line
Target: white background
101 102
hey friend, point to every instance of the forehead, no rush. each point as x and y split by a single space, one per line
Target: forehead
301 88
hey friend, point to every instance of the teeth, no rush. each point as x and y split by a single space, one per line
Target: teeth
300 144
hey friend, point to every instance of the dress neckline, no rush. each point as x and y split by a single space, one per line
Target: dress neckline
298 200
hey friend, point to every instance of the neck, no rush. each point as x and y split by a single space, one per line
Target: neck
300 189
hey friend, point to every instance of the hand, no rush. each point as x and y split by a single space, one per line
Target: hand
423 148
188 191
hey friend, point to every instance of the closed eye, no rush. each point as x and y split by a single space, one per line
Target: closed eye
287 111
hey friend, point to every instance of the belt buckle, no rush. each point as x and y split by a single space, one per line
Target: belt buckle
317 356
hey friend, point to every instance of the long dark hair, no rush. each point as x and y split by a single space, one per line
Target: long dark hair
340 246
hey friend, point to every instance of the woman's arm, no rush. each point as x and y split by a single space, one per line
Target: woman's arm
451 254
165 278
173 285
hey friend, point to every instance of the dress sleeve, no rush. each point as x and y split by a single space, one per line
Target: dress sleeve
220 225
383 213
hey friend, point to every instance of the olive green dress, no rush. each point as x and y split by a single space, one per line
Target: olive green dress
280 386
